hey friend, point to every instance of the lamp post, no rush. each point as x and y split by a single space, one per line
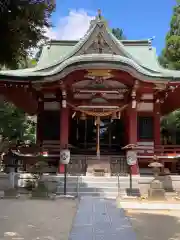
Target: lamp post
131 156
64 159
97 124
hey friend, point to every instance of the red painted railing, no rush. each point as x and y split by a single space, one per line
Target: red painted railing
164 151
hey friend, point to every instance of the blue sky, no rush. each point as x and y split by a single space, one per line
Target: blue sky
140 19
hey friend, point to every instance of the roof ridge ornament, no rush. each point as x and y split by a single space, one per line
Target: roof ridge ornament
99 14
97 19
150 42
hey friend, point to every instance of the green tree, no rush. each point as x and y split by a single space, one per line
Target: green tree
162 59
118 33
23 25
171 124
14 123
170 56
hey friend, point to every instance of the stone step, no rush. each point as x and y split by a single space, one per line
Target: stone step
99 194
91 189
95 185
96 179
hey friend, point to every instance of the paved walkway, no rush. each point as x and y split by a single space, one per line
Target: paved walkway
99 219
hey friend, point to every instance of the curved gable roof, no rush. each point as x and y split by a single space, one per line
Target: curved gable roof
135 54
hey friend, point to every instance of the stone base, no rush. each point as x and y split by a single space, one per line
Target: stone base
41 191
156 194
11 193
39 194
156 191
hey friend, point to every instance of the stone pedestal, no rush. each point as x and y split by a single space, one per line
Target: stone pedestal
7 189
156 191
41 191
98 167
11 193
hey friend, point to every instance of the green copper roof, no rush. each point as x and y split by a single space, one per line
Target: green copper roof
136 57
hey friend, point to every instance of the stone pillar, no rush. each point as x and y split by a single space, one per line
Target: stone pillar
132 133
64 131
157 123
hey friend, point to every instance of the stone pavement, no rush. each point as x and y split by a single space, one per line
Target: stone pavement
22 219
100 219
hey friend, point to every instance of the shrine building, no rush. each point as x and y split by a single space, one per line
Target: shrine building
96 96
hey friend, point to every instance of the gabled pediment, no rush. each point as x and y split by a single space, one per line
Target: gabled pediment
101 40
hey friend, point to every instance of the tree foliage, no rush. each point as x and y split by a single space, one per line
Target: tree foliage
170 56
118 33
23 25
14 124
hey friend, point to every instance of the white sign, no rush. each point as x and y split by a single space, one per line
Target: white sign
131 157
65 156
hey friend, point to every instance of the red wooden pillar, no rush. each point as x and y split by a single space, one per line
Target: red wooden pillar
157 124
132 133
64 132
39 129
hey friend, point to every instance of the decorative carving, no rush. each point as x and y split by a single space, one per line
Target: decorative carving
99 80
99 46
122 90
99 41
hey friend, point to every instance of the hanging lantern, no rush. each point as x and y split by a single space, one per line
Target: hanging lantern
114 115
119 115
134 103
63 103
83 116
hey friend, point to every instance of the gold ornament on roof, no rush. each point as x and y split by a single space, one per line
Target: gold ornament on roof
105 73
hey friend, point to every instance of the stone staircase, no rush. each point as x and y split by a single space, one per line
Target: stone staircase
98 186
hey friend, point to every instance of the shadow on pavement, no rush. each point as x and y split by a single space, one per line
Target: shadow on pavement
155 225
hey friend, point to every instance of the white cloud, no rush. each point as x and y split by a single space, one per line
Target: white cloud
71 27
